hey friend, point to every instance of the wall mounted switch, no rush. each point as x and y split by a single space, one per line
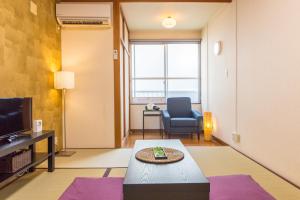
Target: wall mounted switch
236 137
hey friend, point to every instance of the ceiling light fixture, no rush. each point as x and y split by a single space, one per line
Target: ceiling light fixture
169 22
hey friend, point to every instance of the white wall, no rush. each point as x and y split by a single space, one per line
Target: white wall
122 106
266 92
124 78
269 83
204 69
90 106
221 86
127 92
136 117
165 35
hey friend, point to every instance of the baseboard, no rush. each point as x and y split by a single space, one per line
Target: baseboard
125 138
262 165
220 141
146 131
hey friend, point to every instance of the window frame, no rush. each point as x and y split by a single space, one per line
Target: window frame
165 43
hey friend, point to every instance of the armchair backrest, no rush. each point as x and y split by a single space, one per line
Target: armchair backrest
179 107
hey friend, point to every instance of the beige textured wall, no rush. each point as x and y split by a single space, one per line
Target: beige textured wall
29 54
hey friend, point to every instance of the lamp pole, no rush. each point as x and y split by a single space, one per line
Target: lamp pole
64 118
64 80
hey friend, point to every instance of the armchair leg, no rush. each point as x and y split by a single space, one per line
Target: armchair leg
198 133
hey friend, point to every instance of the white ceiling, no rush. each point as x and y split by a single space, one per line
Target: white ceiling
148 16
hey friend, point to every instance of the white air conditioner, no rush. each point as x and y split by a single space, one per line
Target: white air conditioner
84 14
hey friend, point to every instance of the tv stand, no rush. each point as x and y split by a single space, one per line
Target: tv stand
12 138
28 140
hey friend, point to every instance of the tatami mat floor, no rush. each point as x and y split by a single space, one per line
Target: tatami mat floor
42 185
214 161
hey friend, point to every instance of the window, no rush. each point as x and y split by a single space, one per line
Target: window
165 69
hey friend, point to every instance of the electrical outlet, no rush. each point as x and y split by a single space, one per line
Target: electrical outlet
116 55
236 137
226 73
33 8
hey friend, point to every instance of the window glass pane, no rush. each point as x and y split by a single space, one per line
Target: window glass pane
148 69
184 88
183 60
148 88
149 61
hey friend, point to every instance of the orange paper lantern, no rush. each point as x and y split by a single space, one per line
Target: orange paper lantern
208 126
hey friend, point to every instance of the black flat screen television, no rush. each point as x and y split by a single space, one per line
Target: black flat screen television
15 116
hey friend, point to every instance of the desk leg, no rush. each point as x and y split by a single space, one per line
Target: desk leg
32 148
143 126
160 127
51 152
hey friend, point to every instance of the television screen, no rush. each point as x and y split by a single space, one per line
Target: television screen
15 116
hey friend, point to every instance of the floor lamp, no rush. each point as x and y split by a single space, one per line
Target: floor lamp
64 81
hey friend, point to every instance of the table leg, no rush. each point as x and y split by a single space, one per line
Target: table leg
160 127
32 148
51 152
143 126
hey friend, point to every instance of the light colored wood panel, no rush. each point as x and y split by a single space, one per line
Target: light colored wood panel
185 139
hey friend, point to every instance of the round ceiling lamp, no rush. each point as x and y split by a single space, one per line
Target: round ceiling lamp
169 22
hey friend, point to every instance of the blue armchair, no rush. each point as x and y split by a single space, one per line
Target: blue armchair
180 118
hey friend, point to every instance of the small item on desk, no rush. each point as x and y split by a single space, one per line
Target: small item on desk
159 153
151 106
37 126
156 108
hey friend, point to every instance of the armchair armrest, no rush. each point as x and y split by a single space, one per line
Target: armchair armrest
197 115
166 119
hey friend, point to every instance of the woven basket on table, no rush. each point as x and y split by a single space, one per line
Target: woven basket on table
15 161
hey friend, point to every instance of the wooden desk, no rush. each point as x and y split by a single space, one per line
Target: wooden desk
182 180
152 113
28 141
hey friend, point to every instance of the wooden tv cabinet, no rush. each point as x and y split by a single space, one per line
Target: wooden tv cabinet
28 140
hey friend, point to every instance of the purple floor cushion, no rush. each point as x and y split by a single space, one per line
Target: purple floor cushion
94 189
236 187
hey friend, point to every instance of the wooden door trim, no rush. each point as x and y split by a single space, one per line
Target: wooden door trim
117 86
180 1
150 1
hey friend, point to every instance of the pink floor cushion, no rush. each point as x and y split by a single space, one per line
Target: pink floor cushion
236 187
94 189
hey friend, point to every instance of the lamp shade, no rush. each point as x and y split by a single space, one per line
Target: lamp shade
64 80
169 22
207 119
208 125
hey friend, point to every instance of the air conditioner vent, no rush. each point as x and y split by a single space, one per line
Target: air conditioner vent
83 21
83 14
